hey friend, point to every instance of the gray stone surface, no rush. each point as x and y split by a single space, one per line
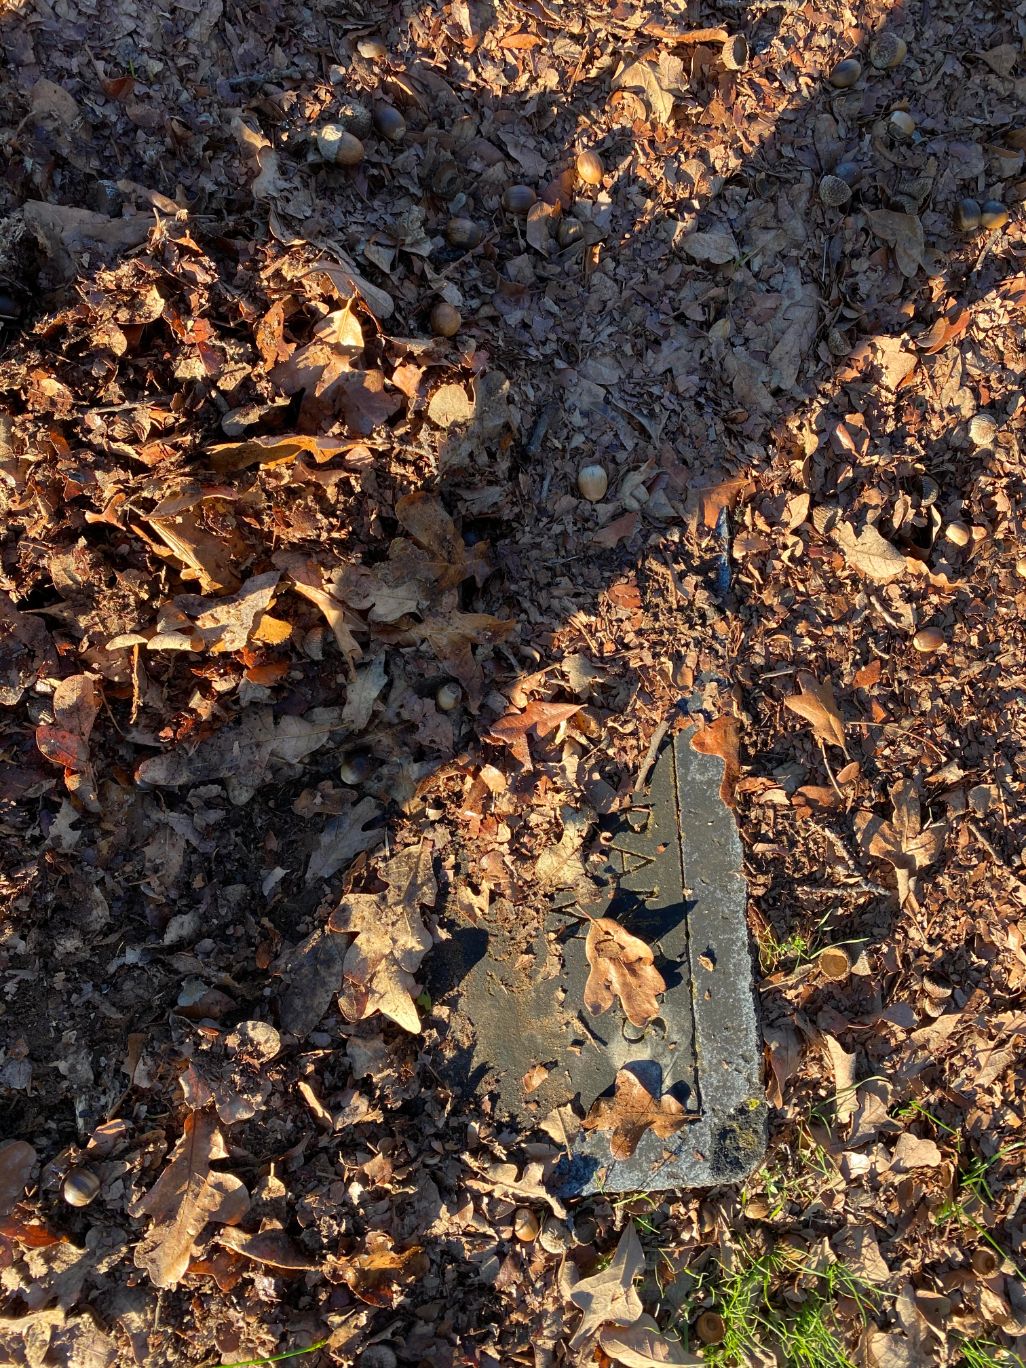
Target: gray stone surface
675 880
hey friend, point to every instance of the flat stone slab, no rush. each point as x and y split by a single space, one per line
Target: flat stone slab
673 878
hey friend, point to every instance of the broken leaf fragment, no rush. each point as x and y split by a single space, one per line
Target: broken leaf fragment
622 966
631 1111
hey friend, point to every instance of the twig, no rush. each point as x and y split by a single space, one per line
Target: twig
653 750
860 881
830 773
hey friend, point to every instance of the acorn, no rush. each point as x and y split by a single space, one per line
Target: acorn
389 122
446 320
525 1224
928 639
448 696
887 50
592 481
373 49
734 53
517 199
463 232
570 230
993 214
901 124
589 168
355 118
846 73
80 1187
339 147
982 430
445 179
834 191
355 767
958 534
968 215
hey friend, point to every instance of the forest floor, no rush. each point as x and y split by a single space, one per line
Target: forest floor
313 656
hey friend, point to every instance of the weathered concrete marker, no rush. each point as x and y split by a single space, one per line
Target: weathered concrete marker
675 880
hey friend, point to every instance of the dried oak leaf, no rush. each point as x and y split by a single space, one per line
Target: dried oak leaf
722 738
513 729
183 1199
642 1346
904 842
816 703
630 1112
373 1276
622 966
529 1184
391 939
76 701
608 1296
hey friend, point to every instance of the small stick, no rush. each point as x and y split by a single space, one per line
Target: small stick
653 749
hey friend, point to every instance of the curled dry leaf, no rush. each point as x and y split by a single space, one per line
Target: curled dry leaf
183 1199
608 1296
391 939
845 1100
374 1276
76 701
621 966
630 1112
816 703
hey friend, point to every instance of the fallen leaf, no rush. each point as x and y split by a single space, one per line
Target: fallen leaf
534 1078
367 682
76 701
912 1152
617 531
308 581
181 1202
513 729
903 233
816 703
722 738
450 404
622 966
716 246
227 624
391 939
560 866
870 553
230 457
843 1064
630 1112
642 1346
904 842
373 1276
784 1051
344 837
243 753
271 1247
528 1184
608 1296
17 1160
